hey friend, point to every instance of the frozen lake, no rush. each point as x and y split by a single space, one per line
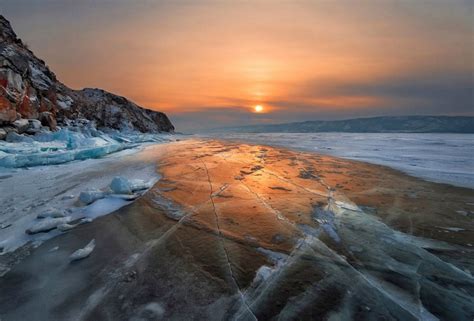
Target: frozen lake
443 158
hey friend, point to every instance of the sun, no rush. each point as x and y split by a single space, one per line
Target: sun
258 108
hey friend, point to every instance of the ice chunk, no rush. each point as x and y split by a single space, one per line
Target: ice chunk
13 137
47 225
66 226
51 212
91 195
139 184
263 273
84 252
121 185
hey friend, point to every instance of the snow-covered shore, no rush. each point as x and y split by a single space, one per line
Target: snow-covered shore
42 190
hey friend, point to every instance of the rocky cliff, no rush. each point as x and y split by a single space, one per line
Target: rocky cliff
30 93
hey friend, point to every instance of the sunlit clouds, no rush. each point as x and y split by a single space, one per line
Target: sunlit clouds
298 60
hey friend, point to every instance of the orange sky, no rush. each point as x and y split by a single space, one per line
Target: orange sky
218 59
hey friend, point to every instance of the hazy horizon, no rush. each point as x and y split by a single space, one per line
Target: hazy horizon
207 64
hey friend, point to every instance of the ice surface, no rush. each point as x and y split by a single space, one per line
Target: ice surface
325 218
69 144
84 252
51 212
444 158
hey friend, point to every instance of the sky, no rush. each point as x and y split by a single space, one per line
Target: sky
208 64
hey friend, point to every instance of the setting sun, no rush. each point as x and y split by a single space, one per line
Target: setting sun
258 108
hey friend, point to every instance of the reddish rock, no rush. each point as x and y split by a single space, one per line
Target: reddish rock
7 112
3 82
27 107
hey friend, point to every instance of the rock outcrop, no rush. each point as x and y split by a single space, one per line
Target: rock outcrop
30 91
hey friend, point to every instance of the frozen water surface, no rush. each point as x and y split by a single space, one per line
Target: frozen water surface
444 158
240 232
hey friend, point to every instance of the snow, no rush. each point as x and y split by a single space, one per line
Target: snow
44 191
64 102
84 252
442 158
40 80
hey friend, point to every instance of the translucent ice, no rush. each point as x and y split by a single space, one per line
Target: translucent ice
68 144
120 185
91 195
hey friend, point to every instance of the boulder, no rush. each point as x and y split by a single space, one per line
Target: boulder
21 125
9 129
47 119
35 123
3 134
34 126
7 115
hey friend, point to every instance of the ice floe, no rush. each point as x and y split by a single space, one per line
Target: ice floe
47 225
84 252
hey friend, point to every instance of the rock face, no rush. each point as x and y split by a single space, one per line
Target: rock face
29 90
